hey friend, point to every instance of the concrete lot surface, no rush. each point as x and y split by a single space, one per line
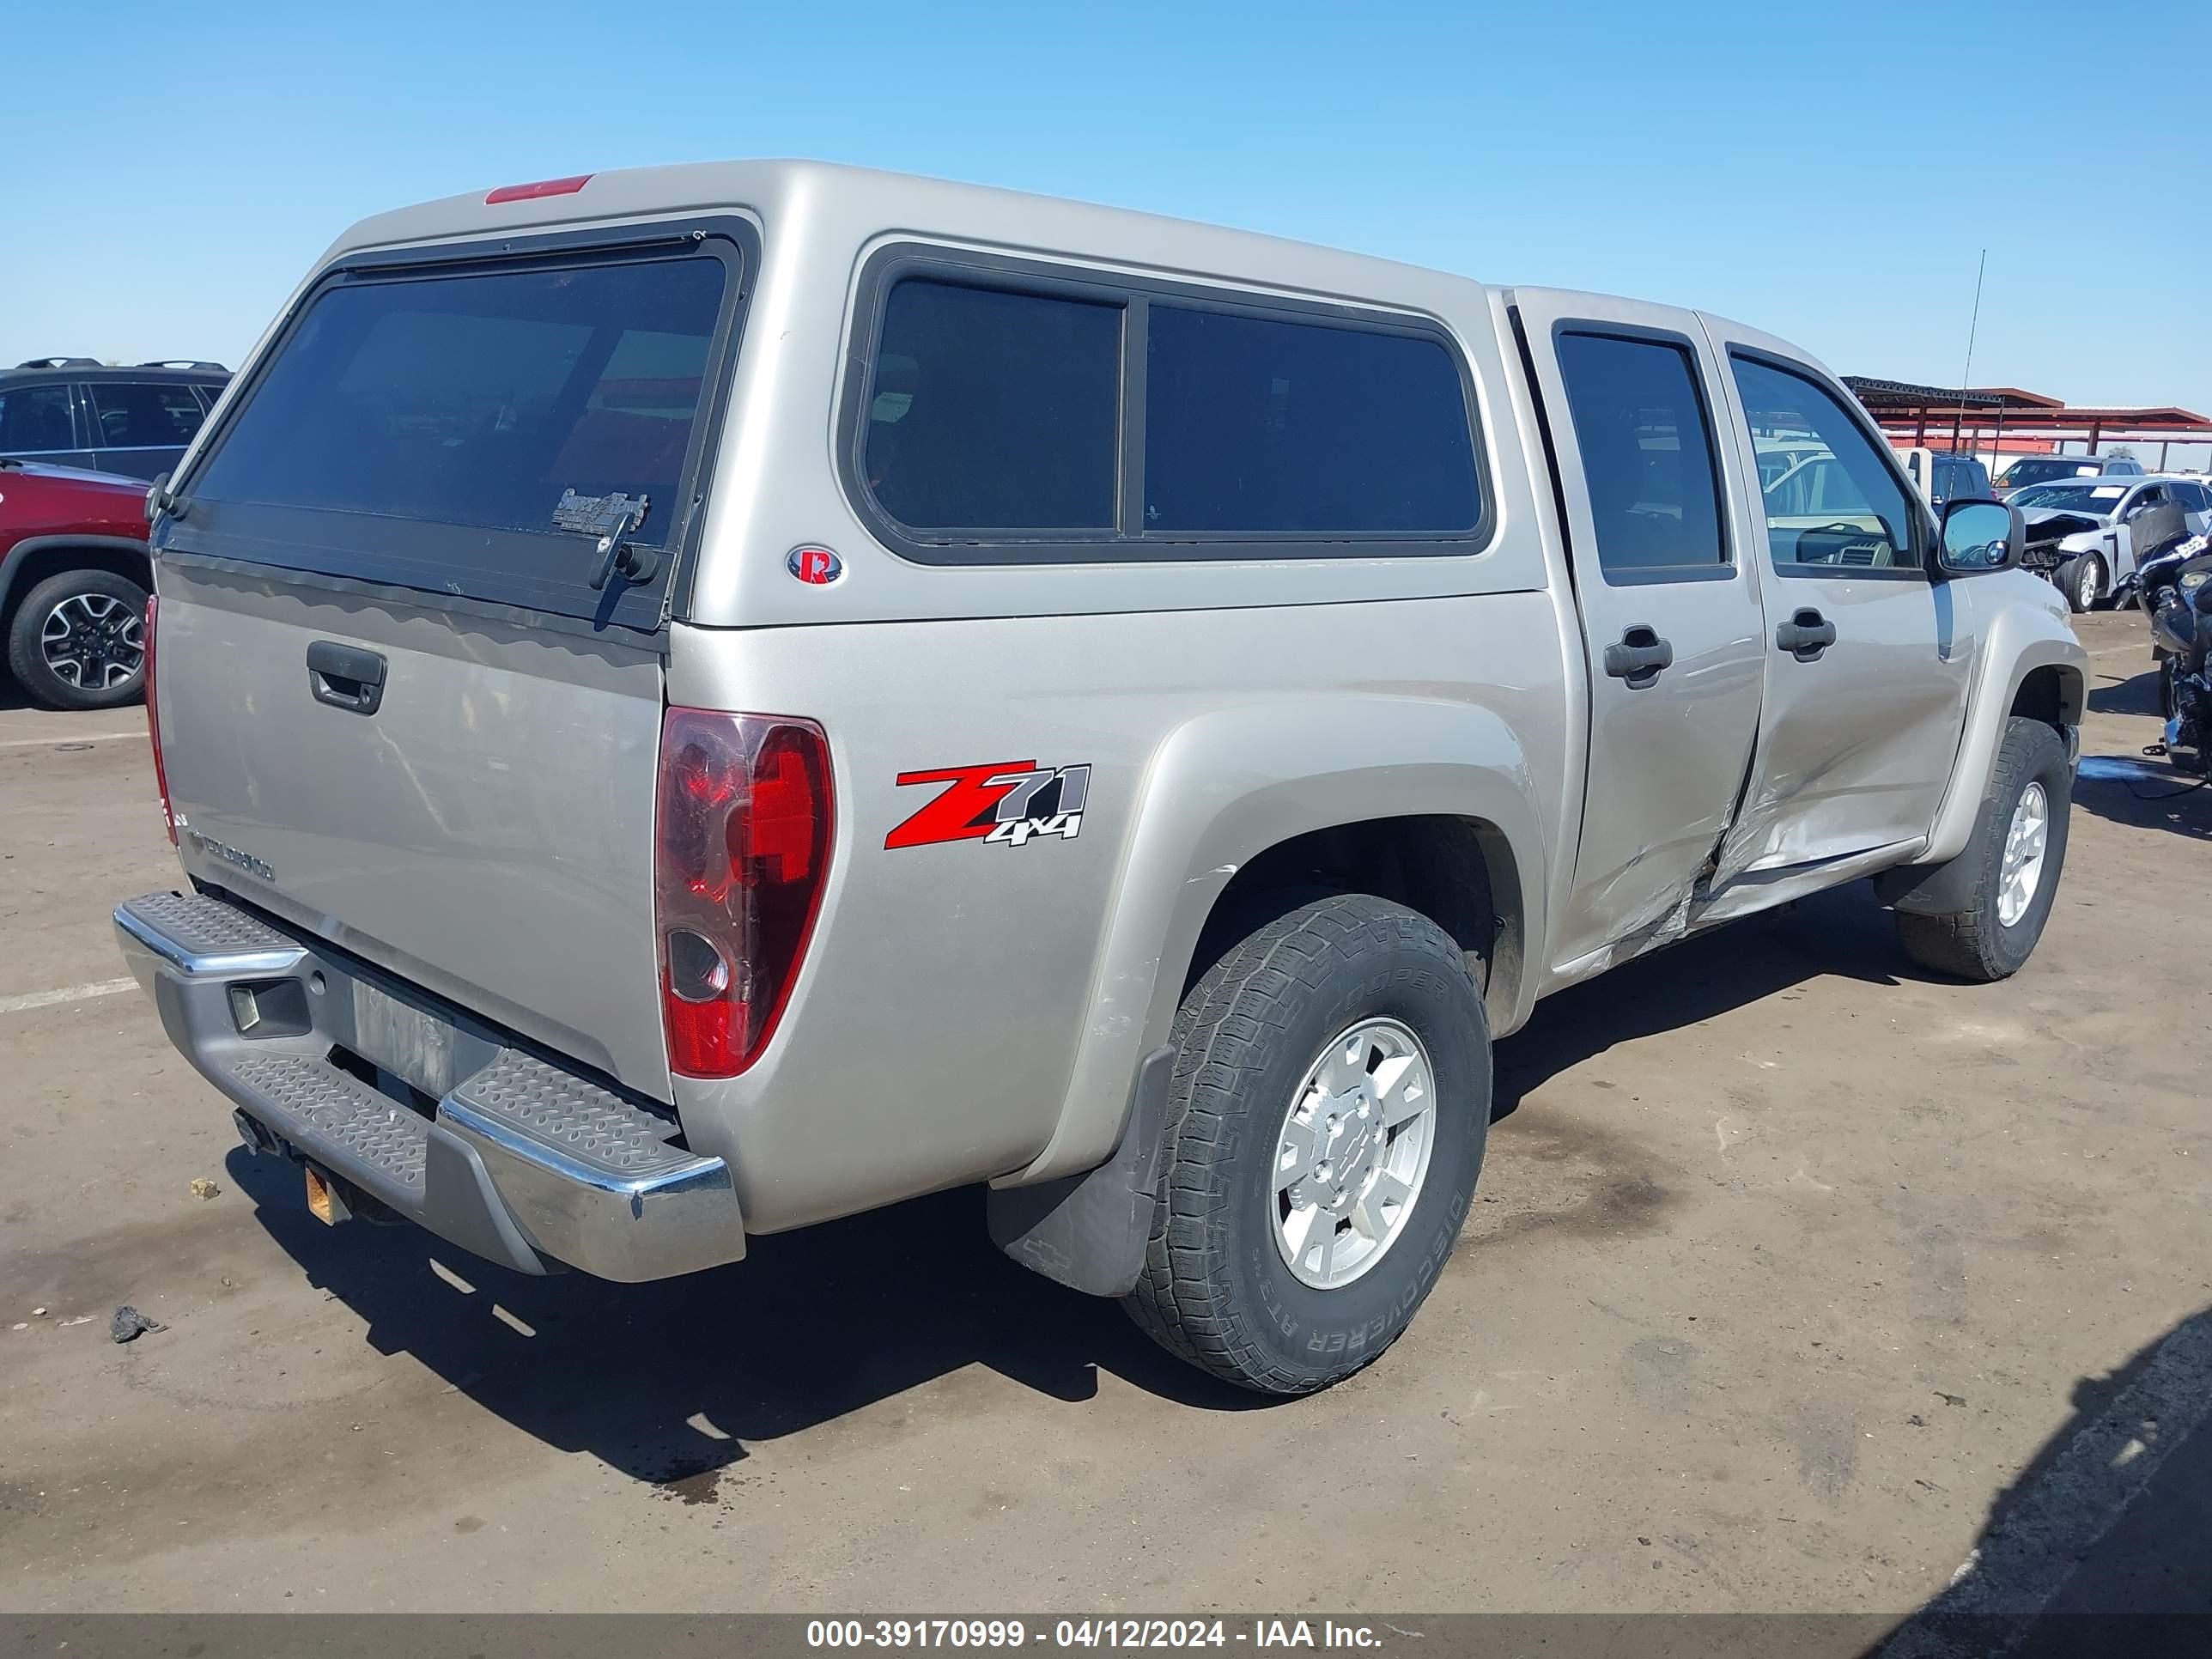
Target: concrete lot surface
1789 1270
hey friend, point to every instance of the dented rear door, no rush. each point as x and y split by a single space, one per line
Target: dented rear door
1670 616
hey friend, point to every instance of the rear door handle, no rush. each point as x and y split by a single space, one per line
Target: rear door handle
1806 635
345 676
1638 657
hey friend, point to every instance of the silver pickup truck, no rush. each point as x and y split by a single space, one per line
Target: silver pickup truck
696 700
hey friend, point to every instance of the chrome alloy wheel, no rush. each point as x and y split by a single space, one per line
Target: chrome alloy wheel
1352 1153
2022 871
93 641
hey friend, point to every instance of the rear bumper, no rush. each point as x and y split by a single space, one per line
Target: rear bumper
520 1161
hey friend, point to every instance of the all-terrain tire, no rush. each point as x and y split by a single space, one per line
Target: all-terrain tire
1973 941
122 603
1216 1289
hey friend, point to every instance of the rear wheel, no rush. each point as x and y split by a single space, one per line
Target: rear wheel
1327 1118
2018 848
78 640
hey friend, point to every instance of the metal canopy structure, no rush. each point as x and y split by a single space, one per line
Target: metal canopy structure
1903 408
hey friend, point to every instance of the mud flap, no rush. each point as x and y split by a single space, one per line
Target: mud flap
1089 1231
1929 889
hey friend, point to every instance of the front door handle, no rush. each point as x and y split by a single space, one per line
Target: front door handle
345 676
1806 635
1638 657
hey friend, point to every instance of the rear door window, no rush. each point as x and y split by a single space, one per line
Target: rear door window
135 415
1645 445
404 408
1956 480
35 420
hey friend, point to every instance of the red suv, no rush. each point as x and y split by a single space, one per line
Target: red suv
74 577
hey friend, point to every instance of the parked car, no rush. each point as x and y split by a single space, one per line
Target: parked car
603 828
2089 535
1942 474
73 584
2048 469
72 412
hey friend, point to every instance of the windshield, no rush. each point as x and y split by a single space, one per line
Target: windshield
2097 498
2029 472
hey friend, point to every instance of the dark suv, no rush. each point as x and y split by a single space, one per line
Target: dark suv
73 412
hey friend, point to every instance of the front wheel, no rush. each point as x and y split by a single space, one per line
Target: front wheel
2018 850
78 640
2081 580
1326 1123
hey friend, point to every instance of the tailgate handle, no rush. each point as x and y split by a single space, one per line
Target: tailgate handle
345 676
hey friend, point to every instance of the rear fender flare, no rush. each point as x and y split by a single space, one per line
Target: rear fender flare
1225 786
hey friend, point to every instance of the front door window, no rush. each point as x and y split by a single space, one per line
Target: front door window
1836 503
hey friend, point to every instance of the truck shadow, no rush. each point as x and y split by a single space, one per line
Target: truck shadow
1840 931
2135 695
669 1382
2099 1546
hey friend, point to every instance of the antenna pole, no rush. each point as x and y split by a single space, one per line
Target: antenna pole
1966 374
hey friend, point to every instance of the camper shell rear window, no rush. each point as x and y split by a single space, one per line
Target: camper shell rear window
470 427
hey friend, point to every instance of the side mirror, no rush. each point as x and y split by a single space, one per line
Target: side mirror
1980 536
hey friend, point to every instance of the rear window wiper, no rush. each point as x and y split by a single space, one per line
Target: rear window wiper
611 519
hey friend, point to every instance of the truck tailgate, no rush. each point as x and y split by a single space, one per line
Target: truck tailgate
487 831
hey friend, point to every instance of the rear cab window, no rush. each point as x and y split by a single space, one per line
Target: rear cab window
470 429
1018 413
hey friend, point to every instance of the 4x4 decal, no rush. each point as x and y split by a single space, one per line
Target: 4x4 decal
1008 802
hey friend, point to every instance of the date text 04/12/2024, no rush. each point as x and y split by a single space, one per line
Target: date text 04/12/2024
897 1634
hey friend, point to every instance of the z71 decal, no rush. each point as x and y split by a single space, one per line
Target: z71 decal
1009 803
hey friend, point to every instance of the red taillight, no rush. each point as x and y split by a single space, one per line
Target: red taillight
154 722
741 850
568 186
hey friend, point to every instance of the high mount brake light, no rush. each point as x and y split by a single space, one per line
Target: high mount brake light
154 720
741 836
532 192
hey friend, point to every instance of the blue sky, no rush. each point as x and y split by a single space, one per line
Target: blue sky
1829 172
